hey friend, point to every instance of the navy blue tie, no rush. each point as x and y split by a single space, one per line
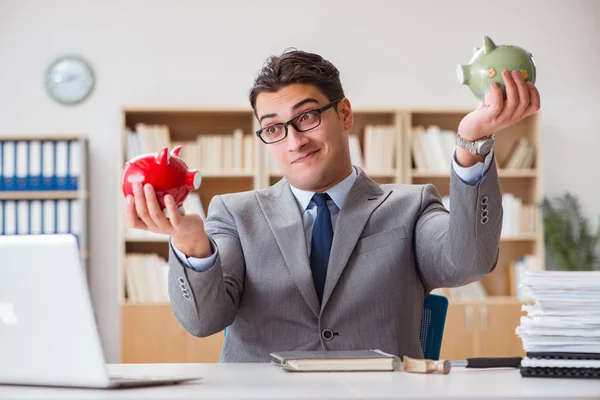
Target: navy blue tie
322 236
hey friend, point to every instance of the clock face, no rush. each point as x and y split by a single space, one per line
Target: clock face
69 80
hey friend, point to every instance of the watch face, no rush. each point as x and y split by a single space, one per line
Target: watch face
69 80
485 146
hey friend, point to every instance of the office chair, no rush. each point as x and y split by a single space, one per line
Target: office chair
432 325
433 320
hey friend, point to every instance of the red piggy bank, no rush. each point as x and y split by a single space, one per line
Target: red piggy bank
166 172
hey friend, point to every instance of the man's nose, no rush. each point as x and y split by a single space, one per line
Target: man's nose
296 140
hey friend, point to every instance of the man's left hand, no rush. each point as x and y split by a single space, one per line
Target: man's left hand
495 114
522 100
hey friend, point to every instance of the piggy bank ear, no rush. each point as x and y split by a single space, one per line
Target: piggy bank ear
488 45
163 156
176 151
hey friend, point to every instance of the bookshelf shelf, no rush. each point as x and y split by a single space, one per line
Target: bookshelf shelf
520 237
384 143
42 195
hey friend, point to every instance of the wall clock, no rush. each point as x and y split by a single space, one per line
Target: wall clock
70 80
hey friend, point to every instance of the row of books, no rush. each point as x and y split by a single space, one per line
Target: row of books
433 149
380 145
146 139
518 217
146 278
40 164
216 153
521 155
220 153
191 205
23 217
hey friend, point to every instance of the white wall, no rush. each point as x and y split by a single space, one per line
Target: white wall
391 54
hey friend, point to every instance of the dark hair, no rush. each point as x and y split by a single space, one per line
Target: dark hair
297 66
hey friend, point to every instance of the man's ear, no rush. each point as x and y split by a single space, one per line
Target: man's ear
346 114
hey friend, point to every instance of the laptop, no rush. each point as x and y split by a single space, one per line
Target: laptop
48 331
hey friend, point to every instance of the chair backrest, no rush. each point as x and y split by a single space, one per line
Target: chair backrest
433 320
432 325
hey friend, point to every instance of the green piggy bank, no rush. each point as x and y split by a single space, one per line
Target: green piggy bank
487 64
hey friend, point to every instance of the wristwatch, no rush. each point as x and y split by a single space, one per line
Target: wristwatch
480 147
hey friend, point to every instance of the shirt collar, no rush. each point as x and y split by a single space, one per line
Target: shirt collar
338 193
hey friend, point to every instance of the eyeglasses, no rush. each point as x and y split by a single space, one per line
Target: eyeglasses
303 122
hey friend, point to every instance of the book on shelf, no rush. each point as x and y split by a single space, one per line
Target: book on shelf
210 153
379 148
440 143
518 217
561 331
41 164
521 156
146 278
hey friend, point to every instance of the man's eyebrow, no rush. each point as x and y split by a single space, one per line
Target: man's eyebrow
267 116
294 107
303 102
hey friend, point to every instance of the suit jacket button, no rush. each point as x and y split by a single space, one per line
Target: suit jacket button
327 334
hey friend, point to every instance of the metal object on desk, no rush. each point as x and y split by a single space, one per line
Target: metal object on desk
488 362
425 366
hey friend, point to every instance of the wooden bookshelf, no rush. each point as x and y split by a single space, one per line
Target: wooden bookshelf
481 320
149 330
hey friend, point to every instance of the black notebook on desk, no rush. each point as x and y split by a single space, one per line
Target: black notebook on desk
561 365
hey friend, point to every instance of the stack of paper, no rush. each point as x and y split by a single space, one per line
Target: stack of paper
562 329
566 313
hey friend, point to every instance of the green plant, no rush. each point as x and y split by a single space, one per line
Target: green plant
568 234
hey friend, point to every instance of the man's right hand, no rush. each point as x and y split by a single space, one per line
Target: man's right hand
186 231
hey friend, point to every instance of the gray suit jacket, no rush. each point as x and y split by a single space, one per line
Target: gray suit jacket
392 245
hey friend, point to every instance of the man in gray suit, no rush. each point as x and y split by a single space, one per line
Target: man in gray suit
327 259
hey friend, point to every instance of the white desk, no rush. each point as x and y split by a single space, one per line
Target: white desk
265 381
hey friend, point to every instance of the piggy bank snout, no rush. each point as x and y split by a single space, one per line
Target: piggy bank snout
194 179
462 74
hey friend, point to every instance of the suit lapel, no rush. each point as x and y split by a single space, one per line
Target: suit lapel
364 197
280 208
